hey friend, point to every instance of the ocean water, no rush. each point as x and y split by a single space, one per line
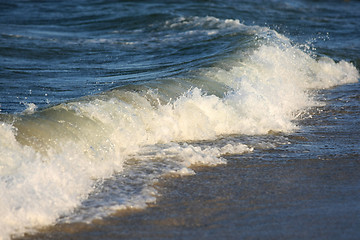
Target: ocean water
179 119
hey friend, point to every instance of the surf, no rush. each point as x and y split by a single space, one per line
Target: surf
53 158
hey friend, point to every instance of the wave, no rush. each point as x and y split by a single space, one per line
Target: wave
52 158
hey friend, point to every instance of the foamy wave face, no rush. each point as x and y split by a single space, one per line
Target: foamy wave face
37 189
51 159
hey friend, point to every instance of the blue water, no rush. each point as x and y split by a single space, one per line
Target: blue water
101 100
53 52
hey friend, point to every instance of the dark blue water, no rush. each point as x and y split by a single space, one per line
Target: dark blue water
194 119
53 52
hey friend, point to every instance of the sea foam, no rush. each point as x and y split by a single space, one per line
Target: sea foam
51 158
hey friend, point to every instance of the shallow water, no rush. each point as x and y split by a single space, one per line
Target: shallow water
174 120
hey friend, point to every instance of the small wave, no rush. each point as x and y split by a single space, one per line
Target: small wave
51 158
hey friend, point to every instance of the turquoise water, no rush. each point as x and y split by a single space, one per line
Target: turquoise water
106 107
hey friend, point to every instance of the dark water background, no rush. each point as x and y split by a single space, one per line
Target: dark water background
55 51
305 187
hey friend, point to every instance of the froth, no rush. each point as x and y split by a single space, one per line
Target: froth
37 189
51 159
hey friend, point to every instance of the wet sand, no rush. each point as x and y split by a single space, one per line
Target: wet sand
256 196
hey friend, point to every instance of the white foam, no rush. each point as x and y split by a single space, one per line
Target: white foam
30 108
54 171
37 189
